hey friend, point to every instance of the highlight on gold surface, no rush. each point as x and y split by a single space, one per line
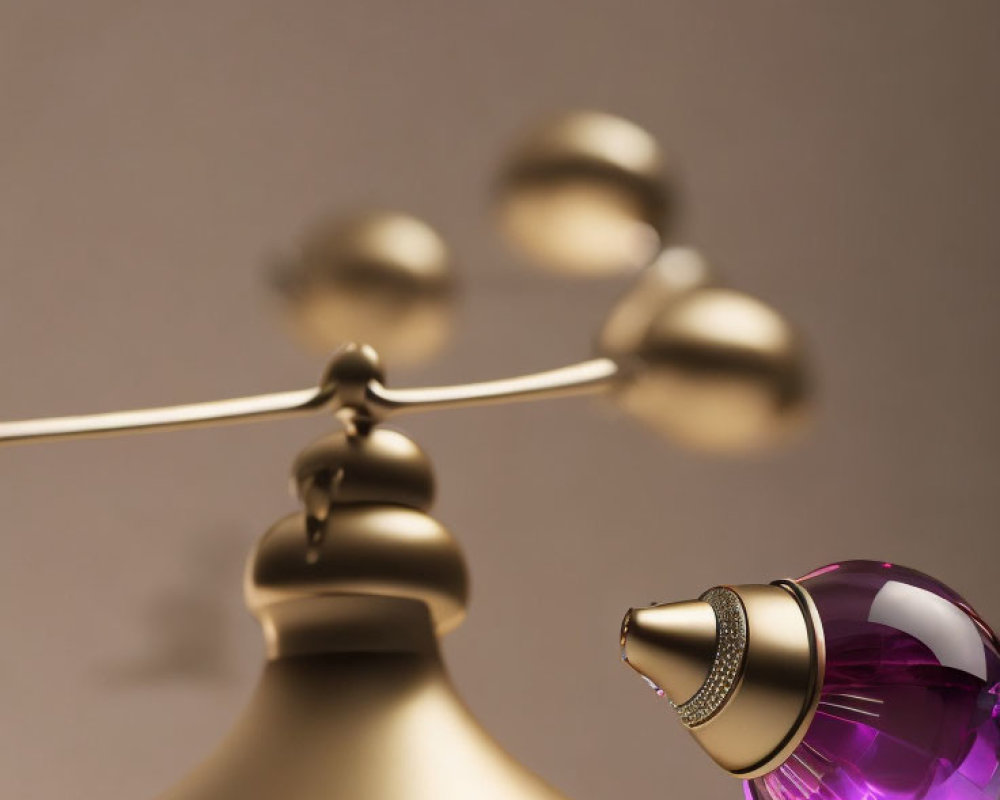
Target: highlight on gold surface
354 701
384 278
675 271
743 666
351 388
352 590
384 466
585 194
672 645
363 549
708 367
711 368
371 715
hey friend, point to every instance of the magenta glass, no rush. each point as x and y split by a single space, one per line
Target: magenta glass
909 706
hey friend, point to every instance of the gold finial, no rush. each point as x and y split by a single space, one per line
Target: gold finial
585 194
364 532
742 665
712 368
383 278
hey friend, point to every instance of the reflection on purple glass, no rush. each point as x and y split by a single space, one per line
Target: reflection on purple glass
909 706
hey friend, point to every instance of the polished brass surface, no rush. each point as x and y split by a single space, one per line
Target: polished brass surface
351 591
385 278
354 701
587 377
675 271
366 549
366 713
716 370
381 467
585 194
768 699
352 383
350 371
240 409
671 645
709 367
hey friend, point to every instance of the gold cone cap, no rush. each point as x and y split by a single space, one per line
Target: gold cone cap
671 645
743 667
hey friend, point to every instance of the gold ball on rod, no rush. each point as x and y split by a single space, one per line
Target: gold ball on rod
585 194
718 371
383 278
675 271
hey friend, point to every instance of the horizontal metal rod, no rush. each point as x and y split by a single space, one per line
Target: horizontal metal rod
218 412
587 377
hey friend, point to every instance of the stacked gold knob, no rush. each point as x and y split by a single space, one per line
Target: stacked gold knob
364 531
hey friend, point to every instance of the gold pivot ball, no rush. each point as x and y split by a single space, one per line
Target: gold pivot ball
385 279
586 195
716 370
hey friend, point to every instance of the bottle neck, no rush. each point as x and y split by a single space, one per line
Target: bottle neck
348 623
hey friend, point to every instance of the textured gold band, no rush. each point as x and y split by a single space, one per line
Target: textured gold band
727 667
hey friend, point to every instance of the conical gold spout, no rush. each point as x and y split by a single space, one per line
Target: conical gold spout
672 646
742 666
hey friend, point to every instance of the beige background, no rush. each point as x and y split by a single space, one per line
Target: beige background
840 159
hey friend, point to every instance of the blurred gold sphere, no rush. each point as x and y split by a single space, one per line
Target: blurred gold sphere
384 278
585 194
675 271
716 370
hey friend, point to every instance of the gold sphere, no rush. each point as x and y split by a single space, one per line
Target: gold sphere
586 194
385 279
675 271
382 467
717 371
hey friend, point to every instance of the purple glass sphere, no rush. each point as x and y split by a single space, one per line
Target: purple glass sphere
909 707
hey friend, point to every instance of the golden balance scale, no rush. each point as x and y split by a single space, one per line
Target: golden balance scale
353 590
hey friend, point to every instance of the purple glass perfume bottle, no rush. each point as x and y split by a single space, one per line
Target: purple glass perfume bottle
906 701
909 707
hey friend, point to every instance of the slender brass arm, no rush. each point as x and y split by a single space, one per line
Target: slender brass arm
218 412
584 378
587 377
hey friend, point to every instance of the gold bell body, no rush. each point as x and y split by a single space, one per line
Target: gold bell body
352 595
